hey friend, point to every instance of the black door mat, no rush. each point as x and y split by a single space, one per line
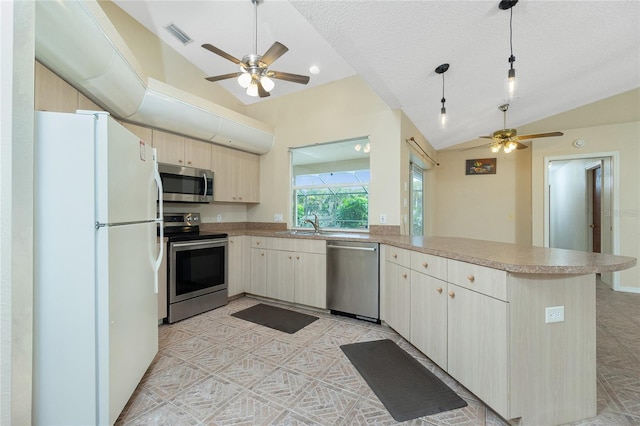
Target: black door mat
406 388
276 318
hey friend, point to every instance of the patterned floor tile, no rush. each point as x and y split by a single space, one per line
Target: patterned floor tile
282 385
474 413
247 370
216 357
168 334
344 375
277 350
221 331
203 398
161 361
246 409
141 401
187 348
165 415
311 362
368 412
248 340
289 418
324 404
168 382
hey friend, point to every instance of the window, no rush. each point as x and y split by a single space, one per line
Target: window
417 203
331 181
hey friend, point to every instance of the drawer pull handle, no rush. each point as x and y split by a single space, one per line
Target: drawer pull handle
471 278
452 294
425 265
395 256
439 289
404 276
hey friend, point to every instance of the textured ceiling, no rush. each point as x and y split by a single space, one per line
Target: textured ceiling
568 53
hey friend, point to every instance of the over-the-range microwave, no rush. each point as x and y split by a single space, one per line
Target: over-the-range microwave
186 184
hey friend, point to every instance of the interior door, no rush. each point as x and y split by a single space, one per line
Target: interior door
596 190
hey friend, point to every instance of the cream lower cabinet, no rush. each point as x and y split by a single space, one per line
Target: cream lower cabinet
258 271
478 345
397 290
429 316
297 270
238 258
280 275
310 273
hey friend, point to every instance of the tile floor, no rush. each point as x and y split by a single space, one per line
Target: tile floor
215 369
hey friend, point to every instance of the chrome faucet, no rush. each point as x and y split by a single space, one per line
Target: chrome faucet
314 223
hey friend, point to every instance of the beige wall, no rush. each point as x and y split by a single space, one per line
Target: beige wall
621 138
485 207
341 110
163 63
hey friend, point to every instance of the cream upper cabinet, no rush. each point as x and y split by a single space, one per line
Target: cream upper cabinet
237 175
144 133
53 93
181 151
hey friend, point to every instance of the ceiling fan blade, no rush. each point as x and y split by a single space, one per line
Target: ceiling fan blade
521 146
294 78
541 135
476 147
275 51
261 92
219 52
486 137
223 76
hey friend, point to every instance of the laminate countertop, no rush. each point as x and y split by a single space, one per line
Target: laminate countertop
503 256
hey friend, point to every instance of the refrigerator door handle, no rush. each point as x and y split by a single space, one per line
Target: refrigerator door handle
204 176
159 220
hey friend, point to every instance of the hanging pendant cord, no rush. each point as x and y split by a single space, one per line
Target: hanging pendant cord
512 58
255 27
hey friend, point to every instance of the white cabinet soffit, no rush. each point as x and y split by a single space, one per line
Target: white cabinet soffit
77 41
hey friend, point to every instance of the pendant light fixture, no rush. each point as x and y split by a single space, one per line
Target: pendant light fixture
443 111
511 89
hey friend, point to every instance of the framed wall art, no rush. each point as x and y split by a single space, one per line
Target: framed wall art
481 166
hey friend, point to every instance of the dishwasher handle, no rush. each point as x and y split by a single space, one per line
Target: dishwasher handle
352 248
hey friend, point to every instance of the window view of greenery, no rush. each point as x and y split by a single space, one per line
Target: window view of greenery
332 182
417 219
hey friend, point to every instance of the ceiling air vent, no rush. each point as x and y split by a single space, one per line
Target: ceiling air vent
179 34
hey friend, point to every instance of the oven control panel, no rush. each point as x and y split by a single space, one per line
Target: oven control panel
181 219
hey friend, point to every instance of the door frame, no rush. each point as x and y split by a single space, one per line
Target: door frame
614 188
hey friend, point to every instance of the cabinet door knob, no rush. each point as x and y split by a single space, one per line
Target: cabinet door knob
404 276
257 243
188 162
439 289
471 278
179 161
452 294
261 254
425 265
395 256
297 257
289 257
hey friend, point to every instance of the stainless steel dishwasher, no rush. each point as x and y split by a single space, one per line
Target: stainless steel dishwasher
353 283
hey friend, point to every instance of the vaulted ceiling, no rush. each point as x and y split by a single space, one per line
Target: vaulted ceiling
568 53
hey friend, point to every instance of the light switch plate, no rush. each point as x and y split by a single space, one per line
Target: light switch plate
277 217
383 218
554 314
219 218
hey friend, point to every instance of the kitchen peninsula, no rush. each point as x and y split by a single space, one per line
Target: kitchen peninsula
514 324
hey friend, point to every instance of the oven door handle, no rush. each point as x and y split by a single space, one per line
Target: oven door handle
159 220
216 242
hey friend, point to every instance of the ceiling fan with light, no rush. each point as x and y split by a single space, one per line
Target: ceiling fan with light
508 139
255 75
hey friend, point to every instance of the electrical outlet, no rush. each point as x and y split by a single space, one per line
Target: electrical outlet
219 218
554 314
383 218
277 217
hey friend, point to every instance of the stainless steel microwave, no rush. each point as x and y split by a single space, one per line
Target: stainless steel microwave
186 184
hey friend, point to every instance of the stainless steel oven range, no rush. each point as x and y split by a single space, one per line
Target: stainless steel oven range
197 267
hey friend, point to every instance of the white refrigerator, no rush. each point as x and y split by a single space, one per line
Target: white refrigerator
96 262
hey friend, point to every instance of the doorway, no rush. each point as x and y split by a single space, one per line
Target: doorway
580 194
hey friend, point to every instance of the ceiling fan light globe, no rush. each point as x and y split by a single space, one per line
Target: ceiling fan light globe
252 90
511 145
367 148
495 148
244 80
267 83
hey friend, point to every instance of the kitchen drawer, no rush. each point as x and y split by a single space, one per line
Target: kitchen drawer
431 265
399 256
258 242
489 281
